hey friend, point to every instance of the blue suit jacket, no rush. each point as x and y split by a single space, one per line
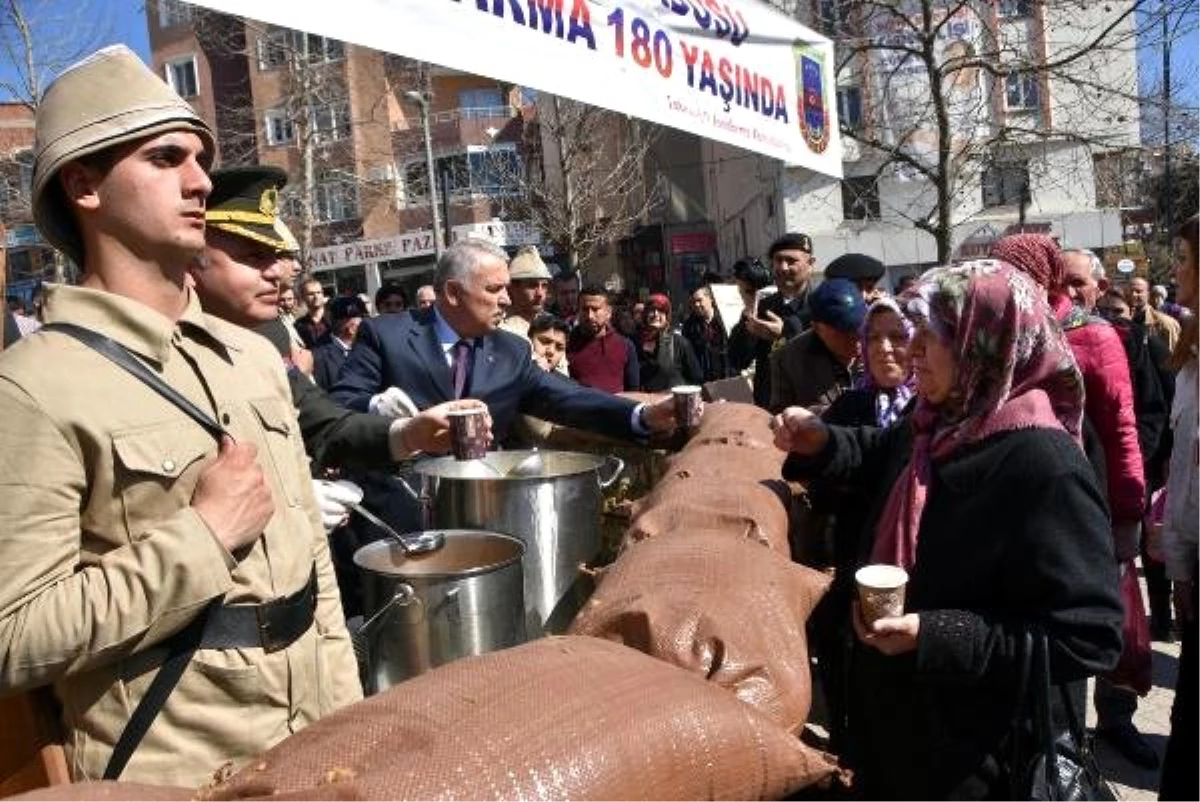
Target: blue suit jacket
403 351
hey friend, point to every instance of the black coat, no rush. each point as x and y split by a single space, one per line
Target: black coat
1014 532
335 437
710 343
745 348
328 358
670 364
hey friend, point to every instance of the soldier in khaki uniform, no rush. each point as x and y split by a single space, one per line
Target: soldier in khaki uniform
120 517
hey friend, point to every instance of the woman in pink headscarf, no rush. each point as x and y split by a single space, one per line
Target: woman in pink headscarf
985 497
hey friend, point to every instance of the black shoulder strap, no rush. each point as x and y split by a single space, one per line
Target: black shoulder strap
119 355
183 644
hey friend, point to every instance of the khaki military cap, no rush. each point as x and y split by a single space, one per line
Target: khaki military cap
107 99
527 264
245 201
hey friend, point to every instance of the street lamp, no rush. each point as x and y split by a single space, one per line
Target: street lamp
422 100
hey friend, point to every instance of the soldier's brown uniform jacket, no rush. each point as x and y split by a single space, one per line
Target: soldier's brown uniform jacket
102 558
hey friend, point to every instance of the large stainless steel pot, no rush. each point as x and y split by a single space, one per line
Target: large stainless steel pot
556 513
425 610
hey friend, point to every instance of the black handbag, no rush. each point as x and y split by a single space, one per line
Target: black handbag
1047 762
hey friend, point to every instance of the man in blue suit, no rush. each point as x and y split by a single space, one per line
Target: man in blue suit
455 350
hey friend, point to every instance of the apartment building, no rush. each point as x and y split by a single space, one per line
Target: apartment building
349 125
1034 146
29 259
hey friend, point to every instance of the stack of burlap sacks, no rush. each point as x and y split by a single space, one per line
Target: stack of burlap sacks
685 676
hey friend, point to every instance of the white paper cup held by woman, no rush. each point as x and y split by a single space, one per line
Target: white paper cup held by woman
880 591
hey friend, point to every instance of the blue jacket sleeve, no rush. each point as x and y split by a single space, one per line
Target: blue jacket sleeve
560 400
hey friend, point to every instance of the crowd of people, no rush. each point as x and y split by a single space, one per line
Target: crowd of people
175 556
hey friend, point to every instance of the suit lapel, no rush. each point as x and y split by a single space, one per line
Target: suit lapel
485 363
429 353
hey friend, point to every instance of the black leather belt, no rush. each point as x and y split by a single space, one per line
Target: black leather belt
273 625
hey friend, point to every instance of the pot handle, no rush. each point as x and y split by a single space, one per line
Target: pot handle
617 464
404 596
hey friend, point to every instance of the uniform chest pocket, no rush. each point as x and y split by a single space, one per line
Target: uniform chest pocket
280 431
156 469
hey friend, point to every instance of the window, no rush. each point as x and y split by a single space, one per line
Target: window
24 161
1006 183
332 122
182 76
173 12
849 105
1021 90
860 198
481 102
1012 8
835 17
1118 176
494 171
281 45
416 182
336 199
279 129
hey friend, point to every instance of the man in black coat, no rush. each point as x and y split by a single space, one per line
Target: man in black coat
779 317
346 313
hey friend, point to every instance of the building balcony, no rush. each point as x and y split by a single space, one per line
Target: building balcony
454 129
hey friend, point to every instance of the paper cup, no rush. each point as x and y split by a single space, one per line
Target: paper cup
687 405
880 591
468 432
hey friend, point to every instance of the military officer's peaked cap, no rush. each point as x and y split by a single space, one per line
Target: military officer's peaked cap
245 201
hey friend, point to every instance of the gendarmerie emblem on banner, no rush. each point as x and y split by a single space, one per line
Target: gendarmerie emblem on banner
812 96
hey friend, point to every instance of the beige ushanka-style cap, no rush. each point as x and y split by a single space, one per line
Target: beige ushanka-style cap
109 98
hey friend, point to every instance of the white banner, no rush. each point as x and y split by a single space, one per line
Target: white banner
735 71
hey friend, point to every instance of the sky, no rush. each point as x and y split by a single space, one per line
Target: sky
126 24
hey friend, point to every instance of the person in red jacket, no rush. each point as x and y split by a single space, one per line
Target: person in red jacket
1108 408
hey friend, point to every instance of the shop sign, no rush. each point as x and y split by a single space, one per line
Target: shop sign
694 242
403 246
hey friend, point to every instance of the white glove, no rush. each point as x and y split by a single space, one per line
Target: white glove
333 498
393 403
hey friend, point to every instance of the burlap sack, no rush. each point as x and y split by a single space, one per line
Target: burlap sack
105 789
740 507
724 609
559 718
729 419
720 459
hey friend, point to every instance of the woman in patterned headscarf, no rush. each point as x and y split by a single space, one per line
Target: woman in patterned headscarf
827 530
987 500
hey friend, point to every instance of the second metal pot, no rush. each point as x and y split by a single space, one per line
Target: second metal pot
555 513
425 610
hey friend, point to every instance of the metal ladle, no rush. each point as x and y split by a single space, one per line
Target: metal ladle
421 542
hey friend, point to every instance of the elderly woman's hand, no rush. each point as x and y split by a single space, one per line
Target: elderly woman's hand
798 430
892 636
